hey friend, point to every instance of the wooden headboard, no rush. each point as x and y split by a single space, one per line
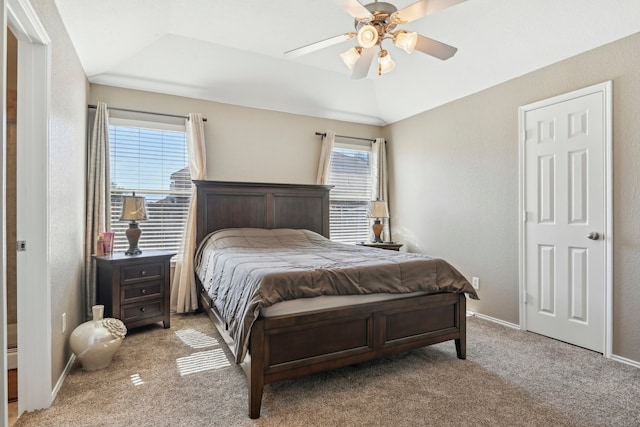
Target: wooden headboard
257 205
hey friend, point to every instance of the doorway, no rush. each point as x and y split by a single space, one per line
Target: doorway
566 232
10 212
33 290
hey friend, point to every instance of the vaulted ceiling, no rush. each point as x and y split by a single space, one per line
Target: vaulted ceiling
232 51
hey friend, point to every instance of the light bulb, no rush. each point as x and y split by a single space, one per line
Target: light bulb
367 36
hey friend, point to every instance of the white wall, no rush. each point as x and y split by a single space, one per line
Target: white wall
454 176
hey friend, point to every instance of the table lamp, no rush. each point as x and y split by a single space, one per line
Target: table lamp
133 209
377 209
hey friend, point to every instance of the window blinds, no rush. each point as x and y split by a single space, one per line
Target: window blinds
152 161
350 174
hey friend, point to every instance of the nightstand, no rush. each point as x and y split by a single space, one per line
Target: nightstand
135 288
391 246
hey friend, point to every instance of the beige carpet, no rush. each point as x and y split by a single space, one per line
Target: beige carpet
510 378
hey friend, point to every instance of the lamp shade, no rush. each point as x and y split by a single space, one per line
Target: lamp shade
385 63
378 209
406 41
367 36
351 56
133 208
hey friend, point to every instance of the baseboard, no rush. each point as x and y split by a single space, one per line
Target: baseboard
620 359
625 361
66 371
493 319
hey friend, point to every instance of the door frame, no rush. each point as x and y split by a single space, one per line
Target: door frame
3 229
605 89
34 287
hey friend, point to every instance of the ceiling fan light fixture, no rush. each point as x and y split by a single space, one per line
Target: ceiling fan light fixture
376 22
367 36
351 56
406 41
385 63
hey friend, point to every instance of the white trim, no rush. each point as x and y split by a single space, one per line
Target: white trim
34 285
522 214
356 145
493 319
608 164
607 93
3 230
64 375
514 326
24 22
117 121
625 361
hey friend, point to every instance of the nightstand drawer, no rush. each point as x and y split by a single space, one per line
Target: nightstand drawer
141 291
135 288
138 272
133 312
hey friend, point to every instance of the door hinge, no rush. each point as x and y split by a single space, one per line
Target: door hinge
21 246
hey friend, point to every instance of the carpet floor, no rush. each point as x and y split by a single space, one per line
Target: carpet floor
184 376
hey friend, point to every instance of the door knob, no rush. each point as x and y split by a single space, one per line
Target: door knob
593 235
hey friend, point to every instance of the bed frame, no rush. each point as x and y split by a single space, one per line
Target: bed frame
291 346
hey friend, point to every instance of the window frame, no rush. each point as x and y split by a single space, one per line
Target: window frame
169 240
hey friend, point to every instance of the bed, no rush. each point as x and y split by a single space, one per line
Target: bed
275 342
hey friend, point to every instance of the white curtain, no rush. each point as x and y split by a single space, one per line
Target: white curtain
328 142
98 205
380 188
184 297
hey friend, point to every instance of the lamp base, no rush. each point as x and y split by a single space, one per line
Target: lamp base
133 235
377 231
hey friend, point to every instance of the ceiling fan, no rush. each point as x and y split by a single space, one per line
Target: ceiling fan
376 22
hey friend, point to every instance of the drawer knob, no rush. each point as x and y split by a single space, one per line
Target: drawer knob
143 272
143 291
142 309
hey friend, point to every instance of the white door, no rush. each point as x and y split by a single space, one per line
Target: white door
566 178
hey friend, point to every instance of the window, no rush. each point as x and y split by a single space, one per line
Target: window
350 174
151 160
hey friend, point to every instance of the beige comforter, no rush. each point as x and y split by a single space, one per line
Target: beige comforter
245 269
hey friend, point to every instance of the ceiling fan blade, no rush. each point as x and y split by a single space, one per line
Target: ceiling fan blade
361 67
294 53
422 8
355 9
435 48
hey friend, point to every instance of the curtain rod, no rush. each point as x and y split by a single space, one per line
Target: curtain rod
348 137
145 112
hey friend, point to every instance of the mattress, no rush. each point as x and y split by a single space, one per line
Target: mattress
305 305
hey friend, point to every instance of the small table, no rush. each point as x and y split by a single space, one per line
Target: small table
391 246
135 288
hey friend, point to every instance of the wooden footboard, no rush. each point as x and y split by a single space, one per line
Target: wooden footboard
291 346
